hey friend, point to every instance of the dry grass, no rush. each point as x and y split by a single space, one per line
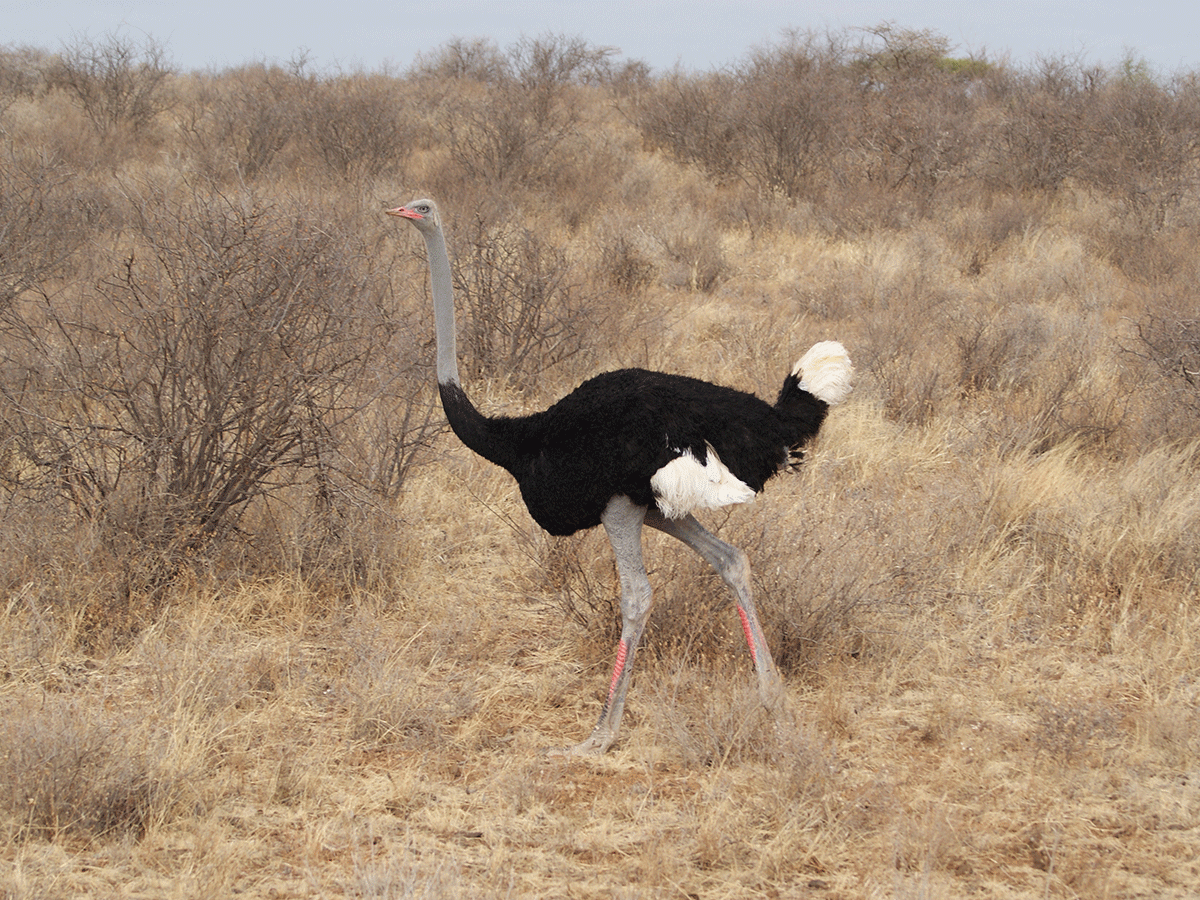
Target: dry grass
981 587
992 669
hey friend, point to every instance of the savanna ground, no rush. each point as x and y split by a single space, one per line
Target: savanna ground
270 631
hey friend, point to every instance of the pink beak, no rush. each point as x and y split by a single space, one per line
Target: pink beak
405 212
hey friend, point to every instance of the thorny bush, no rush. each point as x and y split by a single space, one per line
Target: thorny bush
210 367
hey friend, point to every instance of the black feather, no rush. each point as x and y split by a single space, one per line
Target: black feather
611 434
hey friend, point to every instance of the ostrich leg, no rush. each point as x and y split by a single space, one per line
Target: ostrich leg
734 567
622 521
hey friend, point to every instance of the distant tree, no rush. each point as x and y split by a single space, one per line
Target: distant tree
22 73
509 132
116 81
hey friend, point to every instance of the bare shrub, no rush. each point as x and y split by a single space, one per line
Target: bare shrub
22 74
472 60
1074 728
790 115
1167 340
38 231
774 122
918 113
204 373
116 81
822 578
397 422
525 309
547 62
245 117
396 698
1171 343
494 141
509 129
982 232
580 581
685 115
713 723
1146 153
630 78
998 348
1044 137
815 114
912 386
356 125
902 339
624 264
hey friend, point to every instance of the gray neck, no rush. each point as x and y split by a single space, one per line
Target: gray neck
443 307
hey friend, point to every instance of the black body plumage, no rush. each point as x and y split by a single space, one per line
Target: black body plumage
616 430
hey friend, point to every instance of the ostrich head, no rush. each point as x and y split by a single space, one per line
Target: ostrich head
422 213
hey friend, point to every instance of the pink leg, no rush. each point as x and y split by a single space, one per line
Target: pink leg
749 632
731 564
623 523
618 668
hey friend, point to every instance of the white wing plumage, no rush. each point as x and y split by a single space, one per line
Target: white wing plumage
686 484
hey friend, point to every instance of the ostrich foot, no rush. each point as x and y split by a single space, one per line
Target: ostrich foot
596 745
772 694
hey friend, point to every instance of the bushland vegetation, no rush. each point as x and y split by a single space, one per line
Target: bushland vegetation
269 629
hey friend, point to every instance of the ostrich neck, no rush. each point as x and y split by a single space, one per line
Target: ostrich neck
443 307
493 439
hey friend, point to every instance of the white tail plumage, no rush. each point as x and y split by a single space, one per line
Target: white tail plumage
826 372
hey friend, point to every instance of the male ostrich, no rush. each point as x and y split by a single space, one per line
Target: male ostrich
632 448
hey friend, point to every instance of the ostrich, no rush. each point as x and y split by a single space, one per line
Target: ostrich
633 447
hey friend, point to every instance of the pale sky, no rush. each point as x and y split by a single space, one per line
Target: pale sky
698 34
